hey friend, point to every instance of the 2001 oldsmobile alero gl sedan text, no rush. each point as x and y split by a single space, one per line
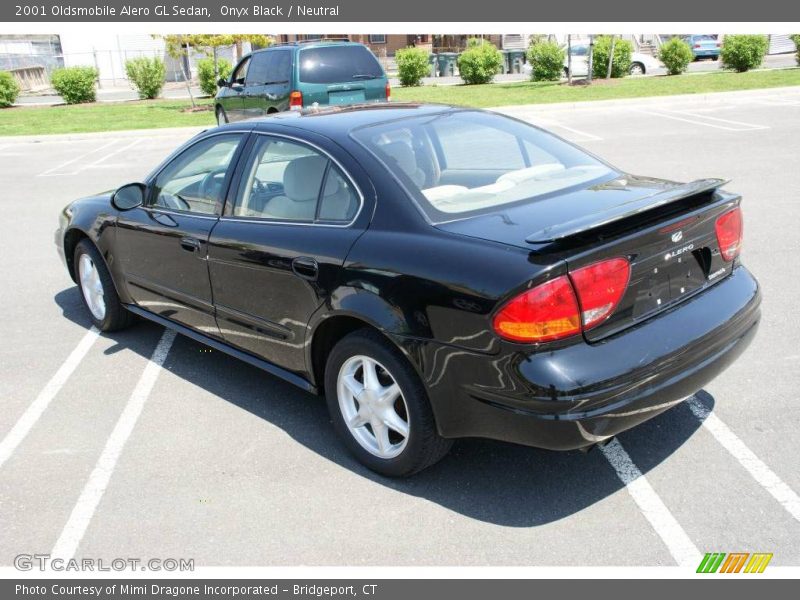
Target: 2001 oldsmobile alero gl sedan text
436 272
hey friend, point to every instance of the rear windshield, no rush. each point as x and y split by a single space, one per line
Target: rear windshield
460 163
334 64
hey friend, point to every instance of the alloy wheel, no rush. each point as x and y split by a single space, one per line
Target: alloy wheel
373 407
92 287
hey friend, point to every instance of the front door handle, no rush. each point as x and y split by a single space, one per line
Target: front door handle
190 244
305 267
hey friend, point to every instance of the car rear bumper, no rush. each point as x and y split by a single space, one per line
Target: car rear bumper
709 52
578 395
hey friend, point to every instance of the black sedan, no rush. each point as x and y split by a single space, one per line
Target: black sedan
436 272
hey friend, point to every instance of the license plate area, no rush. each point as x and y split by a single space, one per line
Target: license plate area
675 278
348 97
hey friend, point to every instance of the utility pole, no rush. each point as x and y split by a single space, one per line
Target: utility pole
590 60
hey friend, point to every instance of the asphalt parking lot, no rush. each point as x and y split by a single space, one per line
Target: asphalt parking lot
105 454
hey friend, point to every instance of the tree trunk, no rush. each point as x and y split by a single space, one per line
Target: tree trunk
238 50
590 60
187 75
569 59
611 57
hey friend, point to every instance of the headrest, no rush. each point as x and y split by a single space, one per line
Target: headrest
403 155
303 177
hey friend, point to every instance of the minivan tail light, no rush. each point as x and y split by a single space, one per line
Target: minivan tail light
547 312
388 92
600 287
295 100
729 233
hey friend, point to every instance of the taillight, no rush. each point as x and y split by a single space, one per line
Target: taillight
729 233
295 100
697 46
388 92
600 287
547 312
565 305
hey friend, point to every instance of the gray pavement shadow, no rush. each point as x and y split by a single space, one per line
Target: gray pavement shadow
495 482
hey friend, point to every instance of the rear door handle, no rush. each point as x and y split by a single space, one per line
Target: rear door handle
305 267
190 244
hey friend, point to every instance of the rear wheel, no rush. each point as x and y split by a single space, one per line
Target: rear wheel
380 408
97 289
636 68
222 118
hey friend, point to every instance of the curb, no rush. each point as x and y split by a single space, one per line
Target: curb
709 97
100 135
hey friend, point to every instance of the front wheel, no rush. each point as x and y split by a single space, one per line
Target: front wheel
636 69
97 289
380 408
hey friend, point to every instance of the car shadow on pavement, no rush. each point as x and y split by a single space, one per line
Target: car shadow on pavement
495 482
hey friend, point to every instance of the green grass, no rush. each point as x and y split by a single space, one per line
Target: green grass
503 94
170 113
110 116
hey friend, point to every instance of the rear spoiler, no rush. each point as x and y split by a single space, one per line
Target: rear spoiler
589 221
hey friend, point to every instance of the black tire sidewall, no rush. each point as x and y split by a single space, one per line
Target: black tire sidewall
413 457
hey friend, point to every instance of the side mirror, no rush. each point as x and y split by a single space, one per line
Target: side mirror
128 196
222 82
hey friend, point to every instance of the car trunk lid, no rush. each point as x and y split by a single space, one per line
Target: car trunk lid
666 230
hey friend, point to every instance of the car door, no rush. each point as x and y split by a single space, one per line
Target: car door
163 245
277 252
233 100
267 86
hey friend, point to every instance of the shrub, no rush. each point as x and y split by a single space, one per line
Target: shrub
676 56
623 49
546 60
9 89
205 73
480 62
75 84
796 39
412 65
147 75
743 52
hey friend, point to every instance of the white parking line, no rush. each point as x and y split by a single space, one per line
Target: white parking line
95 487
34 411
653 508
110 154
55 171
703 120
765 476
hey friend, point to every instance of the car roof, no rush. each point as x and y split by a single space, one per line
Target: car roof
302 45
335 121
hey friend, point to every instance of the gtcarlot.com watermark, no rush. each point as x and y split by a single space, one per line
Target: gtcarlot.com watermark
44 562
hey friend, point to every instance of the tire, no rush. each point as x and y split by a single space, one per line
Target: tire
97 289
222 118
566 73
400 455
636 68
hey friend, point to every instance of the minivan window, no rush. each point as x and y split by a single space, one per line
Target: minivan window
333 64
269 67
460 163
240 72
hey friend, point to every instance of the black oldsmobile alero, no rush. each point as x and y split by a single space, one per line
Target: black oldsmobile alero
436 272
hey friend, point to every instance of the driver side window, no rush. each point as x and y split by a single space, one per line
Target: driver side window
195 181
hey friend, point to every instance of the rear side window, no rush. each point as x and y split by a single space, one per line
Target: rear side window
269 67
333 64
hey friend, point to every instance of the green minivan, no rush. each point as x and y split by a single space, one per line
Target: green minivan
296 75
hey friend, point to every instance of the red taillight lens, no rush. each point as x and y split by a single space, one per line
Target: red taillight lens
296 100
729 233
547 312
388 92
697 46
600 287
563 306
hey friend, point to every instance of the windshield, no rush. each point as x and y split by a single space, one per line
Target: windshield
335 64
459 163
